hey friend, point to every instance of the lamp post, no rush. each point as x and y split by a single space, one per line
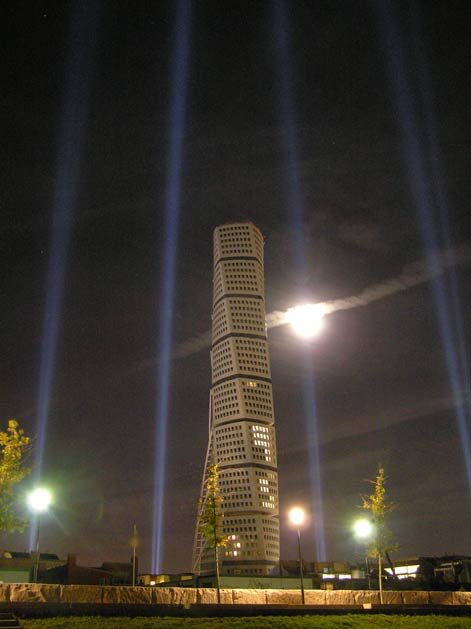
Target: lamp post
297 515
363 529
134 542
38 501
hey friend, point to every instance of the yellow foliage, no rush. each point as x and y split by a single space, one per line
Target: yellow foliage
211 513
14 447
379 507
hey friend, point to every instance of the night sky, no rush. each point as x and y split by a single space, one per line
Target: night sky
377 96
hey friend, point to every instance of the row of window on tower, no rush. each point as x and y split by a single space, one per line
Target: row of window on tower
234 434
226 281
243 537
239 230
247 390
231 455
255 400
238 320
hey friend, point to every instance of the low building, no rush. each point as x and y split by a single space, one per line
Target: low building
21 567
246 582
109 573
185 579
418 573
447 572
70 573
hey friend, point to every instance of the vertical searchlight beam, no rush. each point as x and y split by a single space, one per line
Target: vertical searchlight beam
289 136
312 440
284 73
440 192
425 179
69 148
179 81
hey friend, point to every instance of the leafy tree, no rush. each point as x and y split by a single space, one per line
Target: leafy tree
14 446
381 543
211 517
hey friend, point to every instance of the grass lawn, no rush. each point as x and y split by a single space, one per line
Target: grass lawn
349 621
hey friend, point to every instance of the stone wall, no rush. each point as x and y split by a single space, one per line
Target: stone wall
97 594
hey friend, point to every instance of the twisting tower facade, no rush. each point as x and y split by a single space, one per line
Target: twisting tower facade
241 418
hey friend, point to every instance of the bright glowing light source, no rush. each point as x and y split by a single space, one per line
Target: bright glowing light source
362 528
306 320
39 500
404 572
297 515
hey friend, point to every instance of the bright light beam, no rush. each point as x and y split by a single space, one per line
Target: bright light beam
439 188
289 136
426 197
296 205
83 25
177 102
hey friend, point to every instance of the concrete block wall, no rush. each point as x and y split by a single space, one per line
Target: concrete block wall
98 594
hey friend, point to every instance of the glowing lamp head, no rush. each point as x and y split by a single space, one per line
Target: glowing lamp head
39 500
297 515
306 320
363 529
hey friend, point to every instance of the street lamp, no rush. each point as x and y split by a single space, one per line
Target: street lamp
363 529
38 501
134 544
297 516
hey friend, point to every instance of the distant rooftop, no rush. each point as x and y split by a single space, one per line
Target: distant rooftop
15 554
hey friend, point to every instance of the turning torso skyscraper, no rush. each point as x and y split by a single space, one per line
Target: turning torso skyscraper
241 418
